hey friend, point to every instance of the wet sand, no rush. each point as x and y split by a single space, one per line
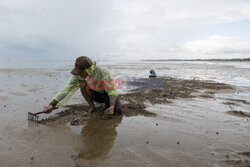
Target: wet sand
134 101
187 123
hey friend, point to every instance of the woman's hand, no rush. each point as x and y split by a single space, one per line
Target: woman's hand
48 109
110 110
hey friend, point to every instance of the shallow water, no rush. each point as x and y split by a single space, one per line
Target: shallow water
187 132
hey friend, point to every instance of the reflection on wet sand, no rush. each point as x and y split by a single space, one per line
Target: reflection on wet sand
98 137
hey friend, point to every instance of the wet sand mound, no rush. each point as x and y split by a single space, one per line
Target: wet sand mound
71 113
230 103
133 102
238 113
247 154
240 101
172 89
76 114
237 159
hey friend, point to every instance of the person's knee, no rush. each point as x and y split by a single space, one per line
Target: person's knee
87 93
83 85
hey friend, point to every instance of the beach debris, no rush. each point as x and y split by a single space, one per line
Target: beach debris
217 133
178 142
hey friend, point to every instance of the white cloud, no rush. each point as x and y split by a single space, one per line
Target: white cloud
141 29
182 12
217 47
157 28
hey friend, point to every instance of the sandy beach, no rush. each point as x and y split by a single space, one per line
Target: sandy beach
199 117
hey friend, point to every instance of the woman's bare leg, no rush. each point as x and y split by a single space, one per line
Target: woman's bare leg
87 94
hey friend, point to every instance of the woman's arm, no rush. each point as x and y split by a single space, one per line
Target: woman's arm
64 94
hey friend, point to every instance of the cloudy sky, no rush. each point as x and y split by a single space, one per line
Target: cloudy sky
124 29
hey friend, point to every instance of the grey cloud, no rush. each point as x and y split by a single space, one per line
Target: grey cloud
48 28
